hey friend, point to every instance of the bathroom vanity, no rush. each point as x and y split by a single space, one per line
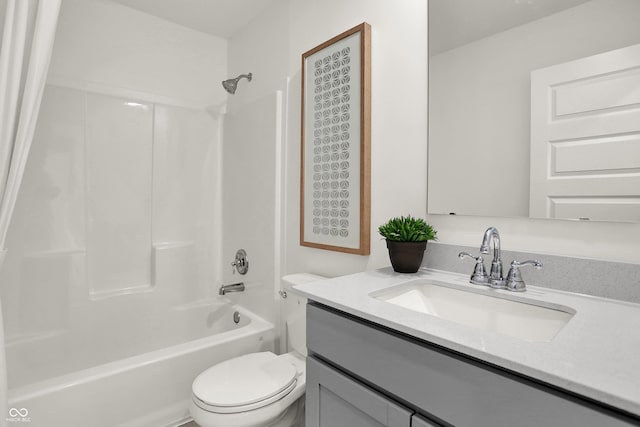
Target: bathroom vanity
374 362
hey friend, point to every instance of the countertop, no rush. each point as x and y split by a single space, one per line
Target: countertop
596 354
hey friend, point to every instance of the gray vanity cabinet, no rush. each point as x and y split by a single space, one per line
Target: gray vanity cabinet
418 421
358 372
334 399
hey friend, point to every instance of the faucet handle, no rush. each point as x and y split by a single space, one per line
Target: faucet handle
240 263
514 277
479 275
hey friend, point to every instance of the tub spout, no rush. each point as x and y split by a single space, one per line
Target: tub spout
236 287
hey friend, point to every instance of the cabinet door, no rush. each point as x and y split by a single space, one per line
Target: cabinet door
334 399
418 421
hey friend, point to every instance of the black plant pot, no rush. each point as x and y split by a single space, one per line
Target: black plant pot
406 257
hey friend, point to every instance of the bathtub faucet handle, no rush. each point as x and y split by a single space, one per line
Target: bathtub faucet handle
241 263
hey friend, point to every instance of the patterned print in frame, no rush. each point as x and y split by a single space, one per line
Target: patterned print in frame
335 163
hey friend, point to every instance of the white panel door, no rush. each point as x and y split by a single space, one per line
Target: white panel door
585 138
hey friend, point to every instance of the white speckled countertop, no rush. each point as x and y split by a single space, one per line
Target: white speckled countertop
596 354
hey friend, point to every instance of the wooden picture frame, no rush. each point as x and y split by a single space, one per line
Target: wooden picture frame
335 175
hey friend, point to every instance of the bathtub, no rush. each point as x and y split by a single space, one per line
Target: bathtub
151 389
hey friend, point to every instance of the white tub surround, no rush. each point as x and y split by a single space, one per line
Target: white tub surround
594 355
100 246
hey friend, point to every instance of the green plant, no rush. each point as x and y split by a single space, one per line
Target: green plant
407 229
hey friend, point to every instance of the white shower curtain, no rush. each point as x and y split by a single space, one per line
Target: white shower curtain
27 41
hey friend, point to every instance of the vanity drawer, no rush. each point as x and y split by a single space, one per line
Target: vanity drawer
442 384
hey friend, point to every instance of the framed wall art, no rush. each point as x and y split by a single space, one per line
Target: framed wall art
335 193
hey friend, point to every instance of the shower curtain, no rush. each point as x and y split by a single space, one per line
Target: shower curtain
26 45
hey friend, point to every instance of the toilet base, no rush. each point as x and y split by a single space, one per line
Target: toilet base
271 416
293 416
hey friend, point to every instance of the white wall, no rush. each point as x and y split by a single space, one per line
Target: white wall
398 118
261 48
250 194
504 109
480 103
398 133
252 159
399 129
104 45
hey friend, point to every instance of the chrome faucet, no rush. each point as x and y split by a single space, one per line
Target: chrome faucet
513 282
491 236
236 287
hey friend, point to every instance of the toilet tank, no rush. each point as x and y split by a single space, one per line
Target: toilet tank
293 313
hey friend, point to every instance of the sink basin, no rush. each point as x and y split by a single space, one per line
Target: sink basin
480 308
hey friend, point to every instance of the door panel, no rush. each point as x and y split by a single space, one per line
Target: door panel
585 138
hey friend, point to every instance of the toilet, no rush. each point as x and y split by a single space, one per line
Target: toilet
259 389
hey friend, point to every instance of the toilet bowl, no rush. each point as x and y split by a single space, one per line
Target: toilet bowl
259 389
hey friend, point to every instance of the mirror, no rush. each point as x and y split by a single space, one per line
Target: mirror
485 154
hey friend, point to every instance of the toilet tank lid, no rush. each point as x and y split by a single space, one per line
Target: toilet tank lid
291 280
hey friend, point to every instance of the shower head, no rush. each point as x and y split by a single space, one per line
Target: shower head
232 84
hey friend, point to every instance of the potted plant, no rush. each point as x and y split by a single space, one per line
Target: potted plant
407 239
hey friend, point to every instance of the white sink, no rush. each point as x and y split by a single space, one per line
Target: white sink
480 308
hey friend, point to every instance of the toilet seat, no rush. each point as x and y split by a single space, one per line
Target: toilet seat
244 383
